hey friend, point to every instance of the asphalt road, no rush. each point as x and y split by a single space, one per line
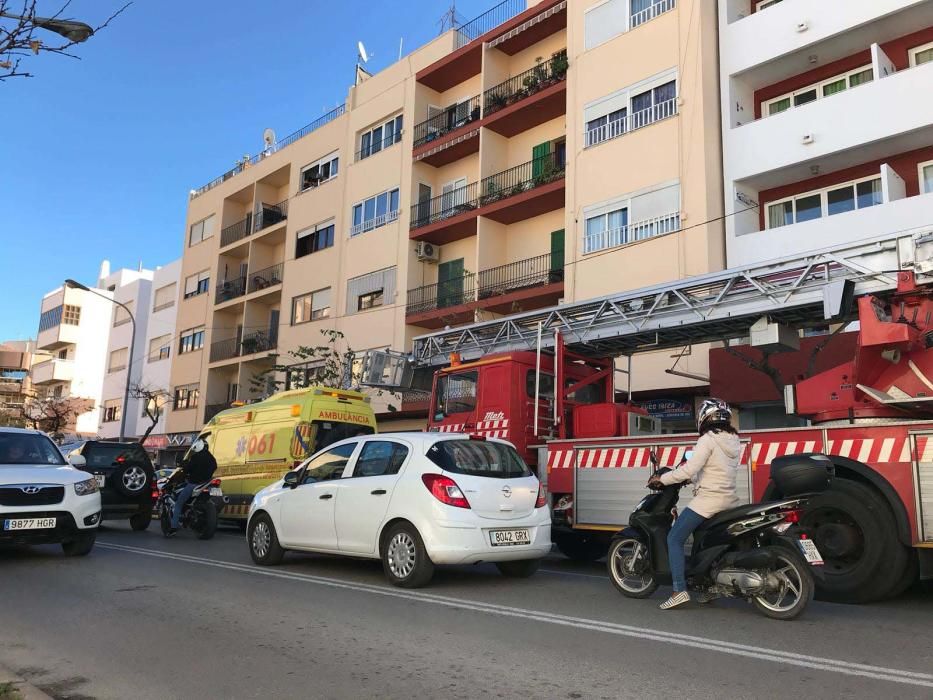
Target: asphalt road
143 617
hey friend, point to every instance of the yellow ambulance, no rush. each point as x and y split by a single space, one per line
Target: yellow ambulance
256 444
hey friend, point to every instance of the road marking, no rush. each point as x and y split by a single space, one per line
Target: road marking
849 668
572 573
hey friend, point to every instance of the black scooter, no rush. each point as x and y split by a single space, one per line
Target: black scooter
199 513
757 552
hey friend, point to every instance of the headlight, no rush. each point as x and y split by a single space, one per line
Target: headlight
87 487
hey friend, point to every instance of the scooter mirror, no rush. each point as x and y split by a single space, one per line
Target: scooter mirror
688 454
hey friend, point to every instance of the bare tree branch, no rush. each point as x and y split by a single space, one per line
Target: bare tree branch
763 365
154 401
54 415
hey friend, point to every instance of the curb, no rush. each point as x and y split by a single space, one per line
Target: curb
26 690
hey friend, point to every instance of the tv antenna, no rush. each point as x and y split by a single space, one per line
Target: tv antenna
362 58
450 19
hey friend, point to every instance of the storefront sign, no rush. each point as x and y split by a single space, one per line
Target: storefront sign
668 409
181 439
156 442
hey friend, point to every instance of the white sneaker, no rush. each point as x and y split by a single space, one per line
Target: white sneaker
675 601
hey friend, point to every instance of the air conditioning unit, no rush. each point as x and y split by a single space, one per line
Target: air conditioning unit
427 252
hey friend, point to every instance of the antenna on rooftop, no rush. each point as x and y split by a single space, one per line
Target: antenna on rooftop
450 19
362 58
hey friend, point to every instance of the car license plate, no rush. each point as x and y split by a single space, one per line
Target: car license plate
215 491
507 538
810 552
29 524
100 480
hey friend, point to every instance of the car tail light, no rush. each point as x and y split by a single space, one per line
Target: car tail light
542 496
215 482
445 489
792 516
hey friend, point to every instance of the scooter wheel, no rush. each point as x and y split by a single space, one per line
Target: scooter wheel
795 590
629 565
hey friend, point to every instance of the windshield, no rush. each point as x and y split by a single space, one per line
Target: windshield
99 455
478 458
329 432
28 448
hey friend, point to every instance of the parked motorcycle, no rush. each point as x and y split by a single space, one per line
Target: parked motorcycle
757 552
199 513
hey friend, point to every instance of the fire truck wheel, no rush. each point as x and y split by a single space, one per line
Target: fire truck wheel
581 547
894 573
852 533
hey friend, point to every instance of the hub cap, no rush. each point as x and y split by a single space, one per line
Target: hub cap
261 539
628 565
401 555
838 537
785 587
134 478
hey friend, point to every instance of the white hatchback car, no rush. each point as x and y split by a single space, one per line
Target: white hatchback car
44 500
412 499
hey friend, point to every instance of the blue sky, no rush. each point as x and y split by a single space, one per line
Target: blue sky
99 154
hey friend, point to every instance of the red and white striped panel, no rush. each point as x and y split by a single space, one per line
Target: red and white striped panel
612 457
875 450
450 428
763 452
493 428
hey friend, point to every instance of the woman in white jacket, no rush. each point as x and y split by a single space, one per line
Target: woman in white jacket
712 467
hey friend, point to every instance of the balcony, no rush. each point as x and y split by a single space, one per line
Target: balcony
52 371
58 336
270 215
212 409
230 289
532 283
260 341
264 279
519 193
236 232
448 136
528 99
630 122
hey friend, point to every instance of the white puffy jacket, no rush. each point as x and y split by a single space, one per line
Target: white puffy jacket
712 467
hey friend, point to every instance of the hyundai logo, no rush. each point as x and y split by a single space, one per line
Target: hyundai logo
507 491
31 489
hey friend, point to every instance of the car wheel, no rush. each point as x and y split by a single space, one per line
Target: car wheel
79 546
141 521
131 480
518 569
404 559
263 541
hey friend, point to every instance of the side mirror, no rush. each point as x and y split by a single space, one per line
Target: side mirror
687 455
291 479
77 461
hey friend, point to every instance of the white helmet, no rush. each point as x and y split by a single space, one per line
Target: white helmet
198 445
713 411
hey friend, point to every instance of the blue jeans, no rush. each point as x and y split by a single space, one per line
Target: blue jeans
686 523
180 500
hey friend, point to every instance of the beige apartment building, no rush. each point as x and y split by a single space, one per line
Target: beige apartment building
545 152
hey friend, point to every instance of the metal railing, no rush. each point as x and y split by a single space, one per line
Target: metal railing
630 233
508 183
631 122
230 289
372 150
270 214
531 272
212 409
488 21
525 84
225 349
261 279
375 222
260 341
287 141
657 7
236 232
449 119
442 295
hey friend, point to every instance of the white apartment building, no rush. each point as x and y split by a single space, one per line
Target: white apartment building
827 112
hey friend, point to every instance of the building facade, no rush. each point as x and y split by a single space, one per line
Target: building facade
16 359
501 168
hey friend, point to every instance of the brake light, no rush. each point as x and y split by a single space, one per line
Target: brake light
445 489
542 496
474 436
215 482
792 516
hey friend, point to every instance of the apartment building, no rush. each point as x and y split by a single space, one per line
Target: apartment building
544 152
827 118
16 358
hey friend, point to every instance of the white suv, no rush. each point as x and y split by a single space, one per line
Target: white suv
411 499
43 500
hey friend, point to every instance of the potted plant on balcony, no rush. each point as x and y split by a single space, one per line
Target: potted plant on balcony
559 65
496 101
493 193
474 113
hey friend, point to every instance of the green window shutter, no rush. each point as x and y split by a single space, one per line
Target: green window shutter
538 154
557 256
450 283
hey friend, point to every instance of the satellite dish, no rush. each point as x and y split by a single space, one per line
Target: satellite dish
362 50
268 138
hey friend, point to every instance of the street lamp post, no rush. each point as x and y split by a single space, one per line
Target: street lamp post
71 30
129 362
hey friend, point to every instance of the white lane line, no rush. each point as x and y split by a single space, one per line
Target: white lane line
882 673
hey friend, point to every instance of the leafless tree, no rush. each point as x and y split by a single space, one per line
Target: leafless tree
23 33
54 415
154 402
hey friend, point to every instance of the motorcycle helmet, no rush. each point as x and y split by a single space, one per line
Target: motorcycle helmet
713 411
198 445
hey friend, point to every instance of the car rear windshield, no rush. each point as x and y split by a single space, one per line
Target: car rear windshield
111 455
26 448
329 432
478 458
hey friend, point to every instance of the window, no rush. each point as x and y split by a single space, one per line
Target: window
605 20
201 231
160 348
478 458
112 411
311 307
837 199
164 297
121 315
313 239
71 315
631 108
186 397
33 449
826 88
50 318
644 10
921 54
369 301
374 140
631 218
378 286
117 360
375 212
197 283
926 176
546 386
62 355
328 465
191 340
762 4
319 172
456 393
380 458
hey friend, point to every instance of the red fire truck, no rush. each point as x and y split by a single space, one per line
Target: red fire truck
546 381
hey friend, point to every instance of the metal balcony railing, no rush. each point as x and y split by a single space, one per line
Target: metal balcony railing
653 9
270 214
236 232
230 289
225 349
375 222
261 279
260 341
488 21
379 146
629 233
508 183
630 122
442 295
451 118
531 272
525 84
